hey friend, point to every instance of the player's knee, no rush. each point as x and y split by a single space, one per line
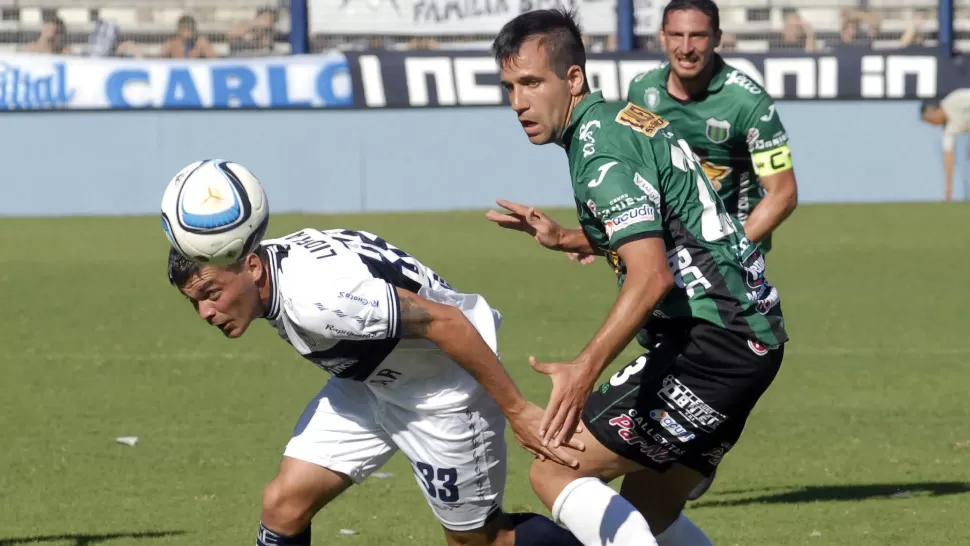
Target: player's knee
283 511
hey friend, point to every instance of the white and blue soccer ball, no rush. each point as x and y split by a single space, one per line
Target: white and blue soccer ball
215 211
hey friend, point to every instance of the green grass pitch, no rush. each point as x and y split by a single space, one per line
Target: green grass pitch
864 439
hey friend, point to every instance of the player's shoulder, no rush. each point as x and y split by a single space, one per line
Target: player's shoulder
651 78
312 256
739 86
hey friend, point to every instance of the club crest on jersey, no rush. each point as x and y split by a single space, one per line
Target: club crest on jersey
718 131
592 206
651 97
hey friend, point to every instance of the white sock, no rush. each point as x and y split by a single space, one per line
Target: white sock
683 532
599 516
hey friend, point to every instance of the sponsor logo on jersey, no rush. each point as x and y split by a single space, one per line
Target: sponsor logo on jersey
780 138
753 136
759 349
651 97
771 113
348 333
671 425
647 188
718 130
586 135
641 120
643 213
603 169
741 80
363 301
659 453
694 410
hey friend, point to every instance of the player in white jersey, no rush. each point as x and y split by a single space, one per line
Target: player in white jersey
414 367
953 113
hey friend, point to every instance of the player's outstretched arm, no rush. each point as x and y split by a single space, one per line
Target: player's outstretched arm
648 280
449 329
546 231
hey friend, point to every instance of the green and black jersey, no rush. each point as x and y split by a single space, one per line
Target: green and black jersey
634 177
733 128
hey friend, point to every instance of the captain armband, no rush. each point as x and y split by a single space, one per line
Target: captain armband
772 161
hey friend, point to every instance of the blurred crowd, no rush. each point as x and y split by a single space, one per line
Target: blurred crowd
246 31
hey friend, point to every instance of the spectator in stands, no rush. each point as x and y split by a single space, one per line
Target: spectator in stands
859 27
103 41
255 38
51 38
797 33
953 113
914 35
422 42
187 44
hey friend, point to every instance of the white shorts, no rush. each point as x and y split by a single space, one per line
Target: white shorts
458 457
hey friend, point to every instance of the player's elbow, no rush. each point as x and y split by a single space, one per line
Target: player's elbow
658 278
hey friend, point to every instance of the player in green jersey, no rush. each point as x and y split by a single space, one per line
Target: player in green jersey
686 273
729 121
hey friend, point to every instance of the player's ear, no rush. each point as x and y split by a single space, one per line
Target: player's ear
576 79
253 266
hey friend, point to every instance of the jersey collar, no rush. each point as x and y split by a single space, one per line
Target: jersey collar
717 80
273 267
578 112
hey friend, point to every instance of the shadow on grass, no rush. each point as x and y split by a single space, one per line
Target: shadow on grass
87 539
835 493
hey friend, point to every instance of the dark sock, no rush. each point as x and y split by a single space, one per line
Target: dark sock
271 538
535 530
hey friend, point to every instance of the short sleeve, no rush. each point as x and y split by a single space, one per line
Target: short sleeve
767 138
623 199
352 309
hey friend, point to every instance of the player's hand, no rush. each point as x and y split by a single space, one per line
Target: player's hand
582 258
572 384
543 229
525 425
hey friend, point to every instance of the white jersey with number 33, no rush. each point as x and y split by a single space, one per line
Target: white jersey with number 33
335 301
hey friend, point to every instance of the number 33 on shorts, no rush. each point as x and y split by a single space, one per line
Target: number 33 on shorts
439 483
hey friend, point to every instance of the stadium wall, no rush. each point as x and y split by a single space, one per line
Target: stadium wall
86 163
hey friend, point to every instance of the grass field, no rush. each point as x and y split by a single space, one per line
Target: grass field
864 439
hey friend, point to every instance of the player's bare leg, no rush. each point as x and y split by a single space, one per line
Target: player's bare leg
582 501
495 533
660 497
295 495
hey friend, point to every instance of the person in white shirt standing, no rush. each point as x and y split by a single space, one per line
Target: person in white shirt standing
414 367
953 113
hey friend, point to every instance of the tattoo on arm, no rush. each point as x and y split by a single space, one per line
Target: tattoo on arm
415 318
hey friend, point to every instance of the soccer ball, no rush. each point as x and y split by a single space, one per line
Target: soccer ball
215 211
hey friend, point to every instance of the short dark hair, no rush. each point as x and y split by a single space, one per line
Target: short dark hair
927 105
558 32
707 7
181 269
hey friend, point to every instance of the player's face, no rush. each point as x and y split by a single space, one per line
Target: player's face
934 116
225 298
542 100
689 41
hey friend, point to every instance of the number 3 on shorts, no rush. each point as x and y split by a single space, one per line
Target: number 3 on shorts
447 476
623 375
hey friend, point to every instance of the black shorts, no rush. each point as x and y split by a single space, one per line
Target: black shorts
686 401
